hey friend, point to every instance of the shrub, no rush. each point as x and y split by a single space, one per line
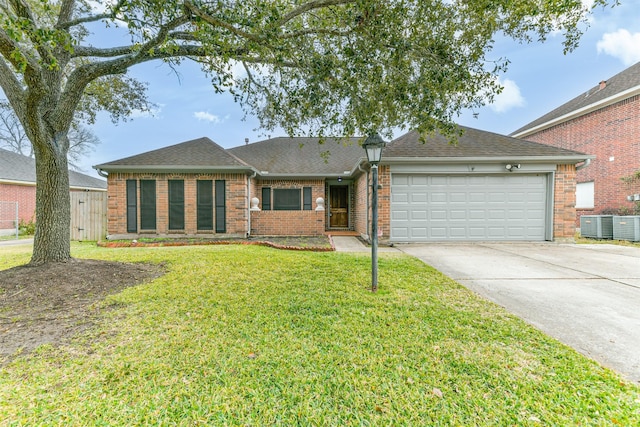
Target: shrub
27 228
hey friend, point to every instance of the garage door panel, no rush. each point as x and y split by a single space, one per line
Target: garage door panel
400 179
418 180
400 197
468 207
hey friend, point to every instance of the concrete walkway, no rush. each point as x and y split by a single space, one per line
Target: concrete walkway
15 242
353 244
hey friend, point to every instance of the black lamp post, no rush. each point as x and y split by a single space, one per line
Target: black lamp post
374 144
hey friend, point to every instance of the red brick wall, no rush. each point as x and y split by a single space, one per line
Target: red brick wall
361 190
612 134
564 202
237 203
25 195
288 223
384 202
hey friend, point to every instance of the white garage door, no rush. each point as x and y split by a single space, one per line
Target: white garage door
468 207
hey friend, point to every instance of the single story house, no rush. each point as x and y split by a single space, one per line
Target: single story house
487 187
18 185
603 121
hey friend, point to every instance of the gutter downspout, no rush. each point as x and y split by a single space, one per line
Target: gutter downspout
584 165
367 211
102 173
249 202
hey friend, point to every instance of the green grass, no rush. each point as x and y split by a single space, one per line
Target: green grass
246 335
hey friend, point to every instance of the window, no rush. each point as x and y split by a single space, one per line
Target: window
147 204
176 204
221 214
306 198
266 198
286 199
132 206
585 195
205 205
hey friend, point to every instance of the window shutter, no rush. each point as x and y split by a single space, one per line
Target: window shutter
221 215
266 198
205 205
147 204
132 206
306 198
176 204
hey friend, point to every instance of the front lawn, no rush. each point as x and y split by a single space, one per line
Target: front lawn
247 335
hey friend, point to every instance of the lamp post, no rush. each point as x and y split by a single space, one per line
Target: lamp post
373 145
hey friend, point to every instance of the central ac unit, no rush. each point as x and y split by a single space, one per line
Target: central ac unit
626 228
596 226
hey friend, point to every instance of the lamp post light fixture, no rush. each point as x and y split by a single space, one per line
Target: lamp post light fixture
373 145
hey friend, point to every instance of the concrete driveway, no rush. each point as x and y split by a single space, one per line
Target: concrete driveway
587 296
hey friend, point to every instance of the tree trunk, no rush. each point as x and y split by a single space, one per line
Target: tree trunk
52 242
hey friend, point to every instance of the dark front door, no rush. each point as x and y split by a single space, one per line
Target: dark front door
339 206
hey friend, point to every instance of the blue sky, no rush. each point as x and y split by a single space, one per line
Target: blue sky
540 78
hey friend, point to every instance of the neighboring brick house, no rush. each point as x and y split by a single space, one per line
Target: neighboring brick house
604 122
487 187
18 184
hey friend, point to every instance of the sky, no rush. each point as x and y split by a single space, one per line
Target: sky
540 78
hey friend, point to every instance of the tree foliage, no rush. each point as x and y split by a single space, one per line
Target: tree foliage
323 67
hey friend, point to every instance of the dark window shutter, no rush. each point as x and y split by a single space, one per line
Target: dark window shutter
221 214
306 198
132 206
266 198
176 204
205 205
147 204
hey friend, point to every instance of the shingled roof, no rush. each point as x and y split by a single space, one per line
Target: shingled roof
22 169
619 87
474 143
197 154
302 156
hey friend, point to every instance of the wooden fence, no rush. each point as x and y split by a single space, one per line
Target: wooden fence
88 215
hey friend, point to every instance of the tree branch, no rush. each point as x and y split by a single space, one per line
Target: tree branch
11 85
315 31
7 49
96 52
312 5
66 11
218 23
65 25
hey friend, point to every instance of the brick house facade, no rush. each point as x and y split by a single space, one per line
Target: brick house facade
287 186
603 122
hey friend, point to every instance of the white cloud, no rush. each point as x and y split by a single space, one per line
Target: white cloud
153 113
622 45
207 117
509 98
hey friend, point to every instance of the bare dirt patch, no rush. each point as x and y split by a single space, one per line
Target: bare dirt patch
48 304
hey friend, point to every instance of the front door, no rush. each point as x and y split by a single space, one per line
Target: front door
339 206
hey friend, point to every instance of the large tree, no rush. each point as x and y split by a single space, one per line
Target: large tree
340 67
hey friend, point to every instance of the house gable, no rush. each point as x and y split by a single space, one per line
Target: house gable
605 123
622 86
